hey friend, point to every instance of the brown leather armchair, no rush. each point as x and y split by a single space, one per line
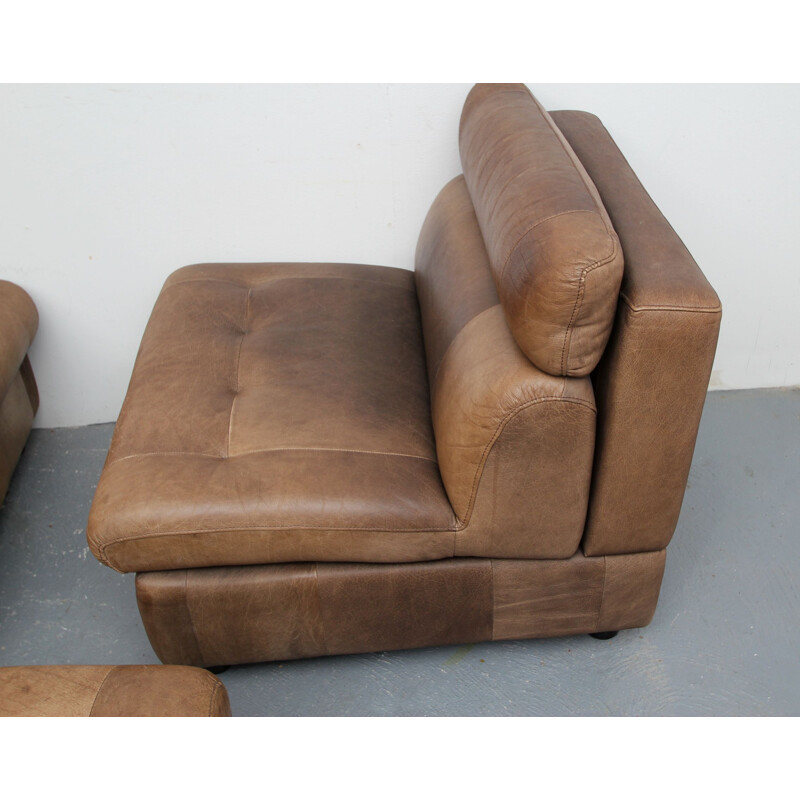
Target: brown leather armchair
333 458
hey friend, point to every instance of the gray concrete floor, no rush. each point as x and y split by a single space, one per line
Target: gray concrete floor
725 639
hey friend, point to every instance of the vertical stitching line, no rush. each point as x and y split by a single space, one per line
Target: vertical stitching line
191 618
100 689
602 595
494 616
321 610
213 696
238 362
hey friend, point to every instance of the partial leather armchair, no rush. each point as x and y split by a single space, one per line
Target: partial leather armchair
335 458
19 397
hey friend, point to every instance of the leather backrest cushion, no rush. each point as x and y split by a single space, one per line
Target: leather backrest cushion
555 258
514 444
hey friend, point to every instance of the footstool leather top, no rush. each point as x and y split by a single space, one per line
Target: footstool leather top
102 691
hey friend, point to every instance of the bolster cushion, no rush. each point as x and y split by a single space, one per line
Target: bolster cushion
555 258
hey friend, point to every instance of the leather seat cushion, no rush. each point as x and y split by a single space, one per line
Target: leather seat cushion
276 413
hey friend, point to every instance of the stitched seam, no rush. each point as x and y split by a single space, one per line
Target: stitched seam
222 457
206 280
238 362
213 696
583 173
602 594
690 309
336 450
321 610
491 567
579 300
496 436
100 689
541 222
568 332
265 529
276 278
191 618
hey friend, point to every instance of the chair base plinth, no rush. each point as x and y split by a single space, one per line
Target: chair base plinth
277 612
603 635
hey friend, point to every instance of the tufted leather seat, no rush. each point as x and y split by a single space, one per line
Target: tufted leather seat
333 458
288 419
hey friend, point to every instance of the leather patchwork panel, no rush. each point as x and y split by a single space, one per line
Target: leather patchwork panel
263 613
631 590
370 607
304 610
547 598
162 601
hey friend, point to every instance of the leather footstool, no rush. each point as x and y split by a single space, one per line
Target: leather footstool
101 691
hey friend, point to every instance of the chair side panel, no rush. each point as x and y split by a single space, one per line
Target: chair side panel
514 444
651 384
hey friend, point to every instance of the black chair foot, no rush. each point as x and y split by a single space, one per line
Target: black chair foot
604 635
217 670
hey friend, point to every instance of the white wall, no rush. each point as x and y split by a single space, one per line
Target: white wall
107 189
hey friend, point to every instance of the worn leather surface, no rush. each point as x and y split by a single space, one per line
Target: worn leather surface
276 413
282 611
287 611
452 271
101 691
514 444
16 420
555 258
652 382
302 431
